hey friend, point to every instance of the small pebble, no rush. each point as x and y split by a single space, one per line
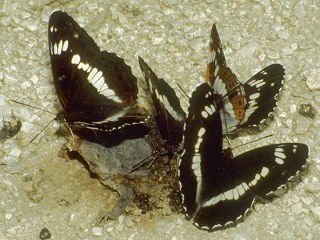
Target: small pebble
166 211
179 221
129 222
307 110
12 231
44 234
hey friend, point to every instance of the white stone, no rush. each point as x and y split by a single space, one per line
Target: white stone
313 82
157 40
316 213
179 221
32 27
34 79
25 85
97 231
293 108
12 231
8 216
15 152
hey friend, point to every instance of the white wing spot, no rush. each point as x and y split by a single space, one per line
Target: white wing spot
228 195
255 82
294 148
60 47
65 45
51 48
280 155
201 132
75 59
208 109
241 190
170 109
204 114
235 193
216 70
213 201
196 167
264 172
96 79
83 66
199 141
279 161
92 73
257 177
55 48
254 96
279 149
259 85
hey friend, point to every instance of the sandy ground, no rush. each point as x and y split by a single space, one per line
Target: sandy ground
40 190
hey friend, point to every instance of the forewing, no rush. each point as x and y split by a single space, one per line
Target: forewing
203 146
261 94
92 85
169 114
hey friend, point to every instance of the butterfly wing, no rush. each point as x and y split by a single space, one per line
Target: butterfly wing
196 175
218 75
216 61
169 115
261 94
267 168
258 172
96 88
243 104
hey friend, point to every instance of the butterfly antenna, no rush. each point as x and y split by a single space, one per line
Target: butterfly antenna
144 162
182 90
56 118
147 162
42 130
185 94
28 105
253 141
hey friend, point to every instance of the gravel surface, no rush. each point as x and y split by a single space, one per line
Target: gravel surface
43 196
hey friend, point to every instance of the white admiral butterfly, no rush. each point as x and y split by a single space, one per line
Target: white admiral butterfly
97 89
169 115
244 104
218 189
